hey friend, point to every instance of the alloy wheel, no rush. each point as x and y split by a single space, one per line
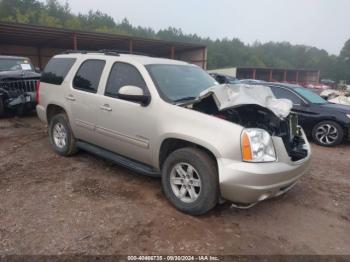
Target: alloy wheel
185 182
327 134
60 135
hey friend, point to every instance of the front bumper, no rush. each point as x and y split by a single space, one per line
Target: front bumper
26 99
248 183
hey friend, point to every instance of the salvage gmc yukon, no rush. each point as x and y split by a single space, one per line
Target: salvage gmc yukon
167 118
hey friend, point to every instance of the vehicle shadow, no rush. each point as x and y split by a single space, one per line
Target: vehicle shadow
13 115
345 143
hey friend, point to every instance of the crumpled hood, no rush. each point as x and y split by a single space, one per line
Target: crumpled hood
226 96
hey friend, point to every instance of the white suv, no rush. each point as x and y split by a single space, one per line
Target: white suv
171 119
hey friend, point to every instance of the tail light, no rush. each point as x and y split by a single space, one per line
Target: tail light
37 96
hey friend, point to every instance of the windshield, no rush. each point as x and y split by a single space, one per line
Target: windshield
180 82
310 96
11 64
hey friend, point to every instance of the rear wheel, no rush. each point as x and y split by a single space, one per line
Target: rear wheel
61 136
328 133
190 181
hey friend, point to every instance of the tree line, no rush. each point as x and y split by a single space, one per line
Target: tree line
221 52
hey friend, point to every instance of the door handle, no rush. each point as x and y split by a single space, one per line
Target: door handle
70 98
106 107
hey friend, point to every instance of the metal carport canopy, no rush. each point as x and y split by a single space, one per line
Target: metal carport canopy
49 37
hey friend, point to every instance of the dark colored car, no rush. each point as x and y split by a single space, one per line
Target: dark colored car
251 81
327 123
224 79
18 84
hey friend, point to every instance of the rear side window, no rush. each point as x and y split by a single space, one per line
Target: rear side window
123 74
88 75
56 70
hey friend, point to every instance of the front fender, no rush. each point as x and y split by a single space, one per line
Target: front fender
185 138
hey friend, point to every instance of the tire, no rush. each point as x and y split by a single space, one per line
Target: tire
328 133
2 106
61 136
204 173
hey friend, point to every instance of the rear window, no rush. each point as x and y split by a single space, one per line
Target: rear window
56 70
310 96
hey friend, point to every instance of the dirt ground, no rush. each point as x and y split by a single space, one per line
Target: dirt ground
86 205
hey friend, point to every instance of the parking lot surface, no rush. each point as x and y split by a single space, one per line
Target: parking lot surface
86 205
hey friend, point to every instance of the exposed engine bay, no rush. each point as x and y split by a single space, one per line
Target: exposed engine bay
255 115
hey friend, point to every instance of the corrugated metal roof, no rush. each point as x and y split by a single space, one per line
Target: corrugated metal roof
41 36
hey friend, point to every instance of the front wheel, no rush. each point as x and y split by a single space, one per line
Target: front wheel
61 136
190 181
328 133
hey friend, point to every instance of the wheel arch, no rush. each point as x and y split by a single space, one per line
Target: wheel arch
169 145
52 110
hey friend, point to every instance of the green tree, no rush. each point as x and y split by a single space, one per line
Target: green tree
221 52
343 64
345 52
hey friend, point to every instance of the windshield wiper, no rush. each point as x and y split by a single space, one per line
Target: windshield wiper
188 98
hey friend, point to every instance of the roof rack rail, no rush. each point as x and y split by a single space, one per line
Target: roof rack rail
115 52
118 51
70 51
109 52
89 51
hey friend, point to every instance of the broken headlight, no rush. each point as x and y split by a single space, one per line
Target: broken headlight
257 146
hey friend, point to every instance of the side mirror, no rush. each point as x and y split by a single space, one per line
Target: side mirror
37 69
134 94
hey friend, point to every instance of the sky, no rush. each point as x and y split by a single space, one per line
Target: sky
321 23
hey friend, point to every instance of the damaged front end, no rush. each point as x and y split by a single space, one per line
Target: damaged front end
253 106
19 94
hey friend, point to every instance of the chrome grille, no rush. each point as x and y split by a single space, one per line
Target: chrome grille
18 87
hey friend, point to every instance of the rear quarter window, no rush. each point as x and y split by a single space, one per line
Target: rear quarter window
56 70
286 94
